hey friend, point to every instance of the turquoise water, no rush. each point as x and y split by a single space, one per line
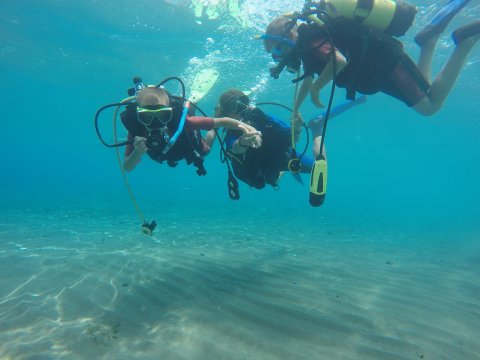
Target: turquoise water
387 268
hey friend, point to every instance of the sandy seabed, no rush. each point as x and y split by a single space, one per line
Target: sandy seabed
78 284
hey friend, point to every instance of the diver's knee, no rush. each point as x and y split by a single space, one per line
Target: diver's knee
427 107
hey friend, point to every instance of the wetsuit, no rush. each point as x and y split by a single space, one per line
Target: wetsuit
375 61
261 166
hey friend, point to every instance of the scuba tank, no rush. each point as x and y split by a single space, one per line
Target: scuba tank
391 17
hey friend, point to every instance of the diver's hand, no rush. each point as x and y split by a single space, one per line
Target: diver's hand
246 128
139 145
315 96
297 120
251 137
256 141
296 123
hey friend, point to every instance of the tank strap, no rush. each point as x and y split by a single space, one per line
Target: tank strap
366 5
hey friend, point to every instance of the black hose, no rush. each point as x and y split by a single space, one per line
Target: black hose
97 114
174 78
99 111
328 20
304 125
223 150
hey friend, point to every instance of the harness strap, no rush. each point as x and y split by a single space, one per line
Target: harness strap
350 86
363 5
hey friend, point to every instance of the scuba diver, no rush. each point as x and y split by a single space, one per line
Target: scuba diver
164 126
153 120
264 165
353 44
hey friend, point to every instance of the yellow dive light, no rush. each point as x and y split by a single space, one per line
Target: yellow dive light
318 182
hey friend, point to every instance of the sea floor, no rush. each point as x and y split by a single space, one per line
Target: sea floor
82 283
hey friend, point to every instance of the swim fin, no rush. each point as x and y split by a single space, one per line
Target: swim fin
466 31
440 21
297 178
202 83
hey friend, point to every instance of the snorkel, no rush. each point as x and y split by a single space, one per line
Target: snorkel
186 107
181 125
289 61
283 38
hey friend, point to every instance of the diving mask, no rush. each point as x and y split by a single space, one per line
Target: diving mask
237 104
282 47
154 115
280 50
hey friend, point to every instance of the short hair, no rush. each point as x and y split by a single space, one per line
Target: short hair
233 101
277 28
153 96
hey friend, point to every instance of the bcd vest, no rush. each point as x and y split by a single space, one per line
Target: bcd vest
371 54
189 145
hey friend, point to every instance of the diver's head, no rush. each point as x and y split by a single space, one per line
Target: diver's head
233 103
153 107
280 37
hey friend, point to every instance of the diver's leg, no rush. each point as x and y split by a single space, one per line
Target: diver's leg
445 80
316 127
469 31
428 37
316 147
426 56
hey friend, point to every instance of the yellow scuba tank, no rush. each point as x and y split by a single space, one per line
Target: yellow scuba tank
391 17
318 182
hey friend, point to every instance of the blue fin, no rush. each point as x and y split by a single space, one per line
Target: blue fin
440 21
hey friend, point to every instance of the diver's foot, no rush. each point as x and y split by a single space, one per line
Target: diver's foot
468 32
440 21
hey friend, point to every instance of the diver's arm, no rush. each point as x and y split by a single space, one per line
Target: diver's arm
250 134
232 124
130 162
302 93
210 137
208 123
326 76
139 148
239 147
250 140
296 119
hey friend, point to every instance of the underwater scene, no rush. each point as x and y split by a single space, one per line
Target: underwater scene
104 256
